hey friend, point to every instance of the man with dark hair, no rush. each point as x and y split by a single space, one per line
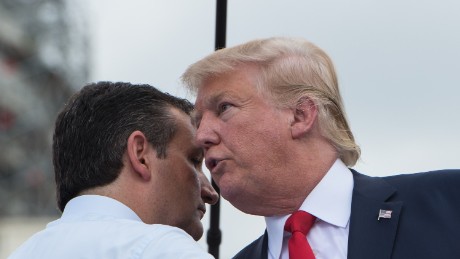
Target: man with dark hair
128 176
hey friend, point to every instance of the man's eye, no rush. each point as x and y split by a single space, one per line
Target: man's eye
197 161
223 107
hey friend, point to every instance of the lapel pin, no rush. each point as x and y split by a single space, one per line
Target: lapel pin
386 214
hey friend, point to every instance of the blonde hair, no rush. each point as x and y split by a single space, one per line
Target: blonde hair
290 69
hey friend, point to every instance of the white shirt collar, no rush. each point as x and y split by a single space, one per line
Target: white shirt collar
329 201
95 205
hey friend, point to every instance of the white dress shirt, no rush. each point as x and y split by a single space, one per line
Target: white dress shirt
330 202
94 226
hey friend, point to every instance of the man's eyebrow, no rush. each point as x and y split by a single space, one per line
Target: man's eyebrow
213 100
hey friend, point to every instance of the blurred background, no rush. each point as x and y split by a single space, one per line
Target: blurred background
398 64
44 58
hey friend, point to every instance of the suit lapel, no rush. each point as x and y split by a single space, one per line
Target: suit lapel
263 246
256 250
369 236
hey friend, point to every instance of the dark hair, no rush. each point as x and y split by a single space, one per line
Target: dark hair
91 132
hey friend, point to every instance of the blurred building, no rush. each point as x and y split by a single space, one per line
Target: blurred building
43 60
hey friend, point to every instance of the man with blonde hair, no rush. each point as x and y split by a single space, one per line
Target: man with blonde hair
271 121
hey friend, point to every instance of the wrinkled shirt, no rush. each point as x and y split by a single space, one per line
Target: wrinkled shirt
94 226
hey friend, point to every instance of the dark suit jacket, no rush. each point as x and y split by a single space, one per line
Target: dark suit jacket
424 224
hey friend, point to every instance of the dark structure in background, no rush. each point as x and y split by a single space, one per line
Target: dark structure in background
43 60
214 235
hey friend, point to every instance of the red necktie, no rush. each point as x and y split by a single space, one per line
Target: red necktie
299 223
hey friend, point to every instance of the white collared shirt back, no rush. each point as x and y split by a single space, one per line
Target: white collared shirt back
99 227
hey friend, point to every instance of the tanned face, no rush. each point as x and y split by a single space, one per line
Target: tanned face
185 189
243 135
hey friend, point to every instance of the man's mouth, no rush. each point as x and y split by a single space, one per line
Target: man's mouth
211 163
202 208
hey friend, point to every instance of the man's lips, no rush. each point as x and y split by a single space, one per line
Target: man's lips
212 163
202 208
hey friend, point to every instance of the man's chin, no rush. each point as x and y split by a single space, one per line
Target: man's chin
196 232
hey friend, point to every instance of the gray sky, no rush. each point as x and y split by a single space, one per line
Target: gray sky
398 64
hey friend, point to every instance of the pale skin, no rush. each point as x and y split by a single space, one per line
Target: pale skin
265 159
170 191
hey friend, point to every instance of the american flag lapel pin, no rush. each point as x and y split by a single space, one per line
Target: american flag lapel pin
386 214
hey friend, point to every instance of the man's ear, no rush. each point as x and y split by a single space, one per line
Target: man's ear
138 150
305 114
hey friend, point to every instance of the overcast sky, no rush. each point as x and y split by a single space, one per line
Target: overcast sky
398 64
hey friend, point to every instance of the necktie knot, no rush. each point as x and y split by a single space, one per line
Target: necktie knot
299 221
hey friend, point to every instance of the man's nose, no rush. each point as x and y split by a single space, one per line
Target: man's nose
206 134
208 193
